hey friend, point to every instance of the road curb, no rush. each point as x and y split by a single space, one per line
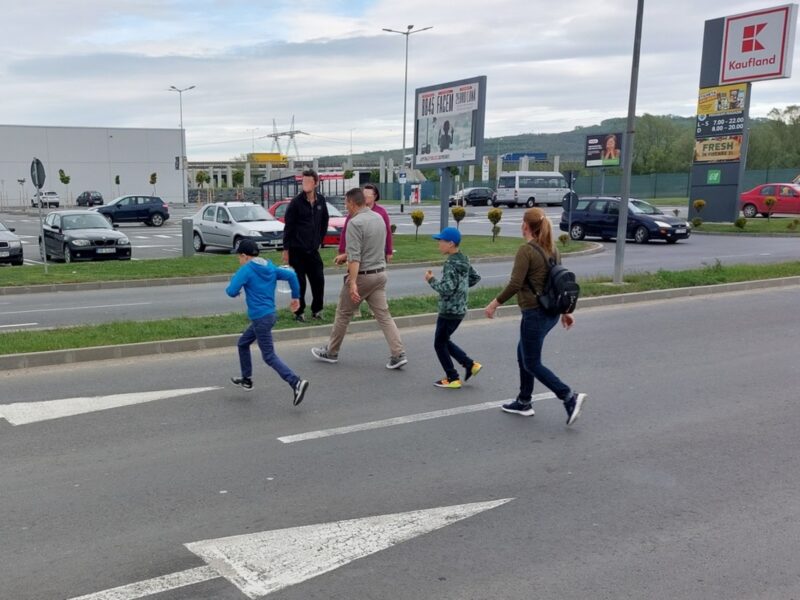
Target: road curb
79 355
766 234
200 279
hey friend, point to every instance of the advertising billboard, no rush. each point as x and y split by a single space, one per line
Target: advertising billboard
720 110
448 123
603 150
758 45
718 149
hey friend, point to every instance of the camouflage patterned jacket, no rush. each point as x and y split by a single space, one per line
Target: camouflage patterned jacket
457 277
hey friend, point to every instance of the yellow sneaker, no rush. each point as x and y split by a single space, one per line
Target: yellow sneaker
476 368
446 383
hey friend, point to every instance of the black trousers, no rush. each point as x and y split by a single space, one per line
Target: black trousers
308 265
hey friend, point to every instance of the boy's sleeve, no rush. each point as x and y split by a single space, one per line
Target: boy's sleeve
237 282
290 276
449 281
474 277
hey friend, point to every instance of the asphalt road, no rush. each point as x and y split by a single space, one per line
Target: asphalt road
678 481
67 308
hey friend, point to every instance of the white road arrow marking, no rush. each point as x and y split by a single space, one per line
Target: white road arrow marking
23 413
261 563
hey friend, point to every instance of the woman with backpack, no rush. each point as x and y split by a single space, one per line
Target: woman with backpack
529 278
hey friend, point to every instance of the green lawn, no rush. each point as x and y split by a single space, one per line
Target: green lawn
185 327
407 250
756 225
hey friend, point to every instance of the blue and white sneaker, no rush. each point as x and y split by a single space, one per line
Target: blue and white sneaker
573 406
519 408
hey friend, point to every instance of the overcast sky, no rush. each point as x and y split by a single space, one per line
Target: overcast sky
550 65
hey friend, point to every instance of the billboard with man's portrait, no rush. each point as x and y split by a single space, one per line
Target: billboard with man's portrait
448 123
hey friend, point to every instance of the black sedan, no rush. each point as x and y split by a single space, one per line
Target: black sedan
10 246
599 216
81 234
477 196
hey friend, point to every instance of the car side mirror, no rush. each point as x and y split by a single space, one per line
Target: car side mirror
115 225
56 228
12 230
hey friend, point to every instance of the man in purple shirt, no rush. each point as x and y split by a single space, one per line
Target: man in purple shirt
371 195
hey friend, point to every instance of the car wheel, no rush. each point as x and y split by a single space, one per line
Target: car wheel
17 263
577 232
67 254
641 235
197 243
765 215
236 241
157 220
531 202
749 211
606 238
495 203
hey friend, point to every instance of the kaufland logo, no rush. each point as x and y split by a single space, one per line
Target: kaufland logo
750 41
758 45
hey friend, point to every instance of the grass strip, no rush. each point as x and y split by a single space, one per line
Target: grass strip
775 225
128 332
408 250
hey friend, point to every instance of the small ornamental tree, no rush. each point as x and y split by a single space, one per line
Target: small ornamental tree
418 217
459 212
65 179
740 223
770 202
202 177
494 215
699 205
348 174
153 180
564 239
116 181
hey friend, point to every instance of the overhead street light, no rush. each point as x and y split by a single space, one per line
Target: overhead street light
172 88
409 30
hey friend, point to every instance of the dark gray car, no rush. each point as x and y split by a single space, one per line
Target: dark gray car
82 234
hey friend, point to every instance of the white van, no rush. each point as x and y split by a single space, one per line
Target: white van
531 188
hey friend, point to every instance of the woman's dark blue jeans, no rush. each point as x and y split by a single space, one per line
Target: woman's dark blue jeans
535 326
445 349
261 330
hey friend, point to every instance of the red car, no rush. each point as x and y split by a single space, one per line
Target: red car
335 222
787 196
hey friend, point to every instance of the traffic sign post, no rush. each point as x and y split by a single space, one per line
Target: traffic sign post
37 178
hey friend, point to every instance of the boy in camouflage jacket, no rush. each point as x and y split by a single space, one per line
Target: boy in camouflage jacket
457 277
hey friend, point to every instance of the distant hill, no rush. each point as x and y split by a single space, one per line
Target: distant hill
569 145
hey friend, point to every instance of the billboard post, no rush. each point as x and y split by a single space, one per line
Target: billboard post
448 129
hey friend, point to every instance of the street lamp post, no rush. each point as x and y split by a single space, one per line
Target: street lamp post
409 30
172 88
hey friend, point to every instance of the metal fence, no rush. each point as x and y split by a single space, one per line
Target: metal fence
655 185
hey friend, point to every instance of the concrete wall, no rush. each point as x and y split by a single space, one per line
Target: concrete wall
92 157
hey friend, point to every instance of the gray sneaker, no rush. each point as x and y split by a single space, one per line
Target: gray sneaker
322 354
395 362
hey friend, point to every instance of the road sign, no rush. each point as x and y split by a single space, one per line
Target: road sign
401 178
37 173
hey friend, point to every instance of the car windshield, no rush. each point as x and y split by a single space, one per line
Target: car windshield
115 200
640 207
333 211
506 182
92 221
246 214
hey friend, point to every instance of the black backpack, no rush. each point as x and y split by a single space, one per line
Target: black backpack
561 291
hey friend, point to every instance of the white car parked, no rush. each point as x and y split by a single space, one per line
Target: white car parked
49 199
226 224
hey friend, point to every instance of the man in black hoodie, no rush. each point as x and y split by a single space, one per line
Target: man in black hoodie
305 225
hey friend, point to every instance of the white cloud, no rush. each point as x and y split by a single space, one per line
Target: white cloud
549 67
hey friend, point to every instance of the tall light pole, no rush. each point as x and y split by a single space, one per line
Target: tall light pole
172 88
409 30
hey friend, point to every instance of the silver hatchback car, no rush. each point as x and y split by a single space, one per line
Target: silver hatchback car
226 224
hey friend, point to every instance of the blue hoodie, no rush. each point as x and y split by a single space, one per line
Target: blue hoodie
258 277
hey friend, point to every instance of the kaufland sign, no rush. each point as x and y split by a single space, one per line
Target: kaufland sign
758 45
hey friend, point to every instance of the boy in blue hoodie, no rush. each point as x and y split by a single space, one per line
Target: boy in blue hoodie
258 277
457 277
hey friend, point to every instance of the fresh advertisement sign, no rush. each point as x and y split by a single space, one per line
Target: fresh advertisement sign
448 123
718 149
604 150
758 45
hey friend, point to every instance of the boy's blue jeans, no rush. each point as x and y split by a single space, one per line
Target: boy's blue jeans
445 349
261 330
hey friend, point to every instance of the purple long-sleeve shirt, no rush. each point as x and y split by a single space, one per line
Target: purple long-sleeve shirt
385 216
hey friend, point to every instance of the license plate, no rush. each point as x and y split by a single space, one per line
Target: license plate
680 230
5 254
106 250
